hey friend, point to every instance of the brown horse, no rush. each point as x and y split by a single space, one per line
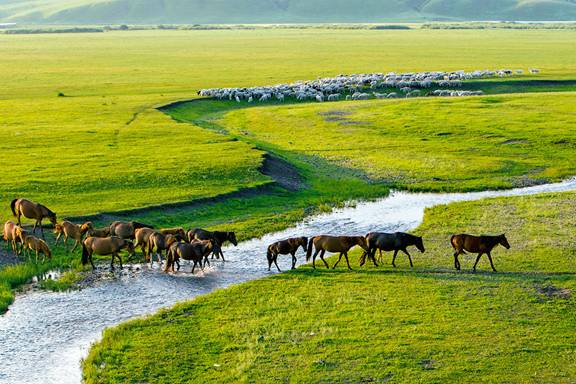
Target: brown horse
157 242
142 235
68 230
88 228
32 243
197 251
389 242
126 229
10 236
476 244
178 232
219 238
285 247
31 210
104 247
334 244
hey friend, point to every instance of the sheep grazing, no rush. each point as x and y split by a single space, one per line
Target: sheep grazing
355 86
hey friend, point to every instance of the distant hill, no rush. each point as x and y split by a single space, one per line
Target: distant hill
278 11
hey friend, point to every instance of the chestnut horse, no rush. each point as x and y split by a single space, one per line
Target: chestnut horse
389 242
142 235
31 210
333 244
104 247
68 230
126 229
219 238
10 236
32 243
476 244
89 229
156 242
285 247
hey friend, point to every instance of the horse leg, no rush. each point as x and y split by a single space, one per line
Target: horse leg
394 258
476 263
294 260
339 258
276 264
314 258
58 239
194 266
91 261
119 260
409 257
112 262
76 244
322 258
222 255
379 259
456 262
347 261
41 229
491 263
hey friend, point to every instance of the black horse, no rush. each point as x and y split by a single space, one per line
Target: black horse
389 242
218 237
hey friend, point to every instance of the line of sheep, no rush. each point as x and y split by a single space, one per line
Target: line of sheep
362 86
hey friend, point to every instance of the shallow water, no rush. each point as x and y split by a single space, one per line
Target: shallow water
44 335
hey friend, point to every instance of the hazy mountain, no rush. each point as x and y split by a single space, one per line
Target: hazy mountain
276 11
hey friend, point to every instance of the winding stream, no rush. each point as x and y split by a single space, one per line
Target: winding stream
44 335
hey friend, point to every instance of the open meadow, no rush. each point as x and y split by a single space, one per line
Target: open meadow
91 129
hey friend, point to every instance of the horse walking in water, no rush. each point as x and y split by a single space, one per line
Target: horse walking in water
104 247
334 244
126 229
389 242
157 242
142 235
31 210
476 244
196 251
68 230
219 238
285 247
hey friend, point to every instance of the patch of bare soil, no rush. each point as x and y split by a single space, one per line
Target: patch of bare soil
283 173
514 141
7 258
552 292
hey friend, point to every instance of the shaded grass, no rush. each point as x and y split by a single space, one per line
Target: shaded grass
429 324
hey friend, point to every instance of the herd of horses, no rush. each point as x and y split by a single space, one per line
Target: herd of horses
196 245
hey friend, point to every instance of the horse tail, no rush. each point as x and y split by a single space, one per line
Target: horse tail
13 207
85 254
269 253
309 250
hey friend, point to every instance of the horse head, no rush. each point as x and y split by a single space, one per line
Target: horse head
58 228
304 242
419 244
362 242
231 236
504 241
130 247
86 227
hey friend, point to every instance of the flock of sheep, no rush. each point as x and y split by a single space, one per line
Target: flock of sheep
363 87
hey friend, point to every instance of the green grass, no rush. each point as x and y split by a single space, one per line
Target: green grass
430 324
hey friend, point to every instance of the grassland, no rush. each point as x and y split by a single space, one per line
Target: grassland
103 147
429 324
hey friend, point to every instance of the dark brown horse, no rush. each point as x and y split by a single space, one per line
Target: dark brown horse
389 242
285 247
334 244
196 251
104 247
476 244
31 210
219 238
126 229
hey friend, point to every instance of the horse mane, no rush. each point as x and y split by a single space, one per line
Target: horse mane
138 225
50 213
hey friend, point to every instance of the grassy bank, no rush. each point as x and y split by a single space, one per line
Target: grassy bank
430 324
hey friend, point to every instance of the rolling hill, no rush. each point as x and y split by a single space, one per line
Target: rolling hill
278 11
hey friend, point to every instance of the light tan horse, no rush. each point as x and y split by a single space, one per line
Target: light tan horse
88 228
142 235
31 210
126 229
334 244
178 232
159 243
68 230
104 247
10 236
32 243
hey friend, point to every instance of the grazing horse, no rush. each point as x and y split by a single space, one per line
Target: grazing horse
32 243
10 236
333 244
389 242
30 210
88 228
285 247
142 235
196 251
156 242
69 230
476 244
104 247
219 238
126 229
